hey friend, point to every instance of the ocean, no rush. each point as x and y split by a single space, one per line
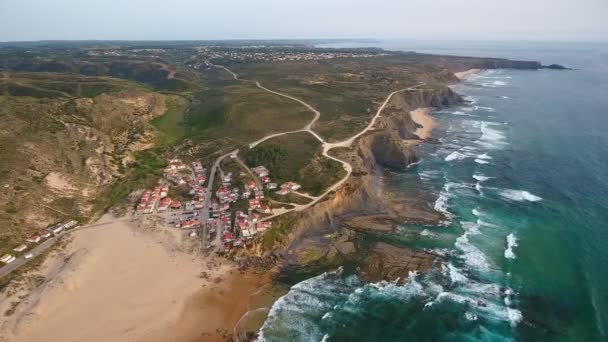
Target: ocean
521 172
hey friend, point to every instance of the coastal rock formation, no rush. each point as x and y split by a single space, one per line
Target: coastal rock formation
388 262
389 150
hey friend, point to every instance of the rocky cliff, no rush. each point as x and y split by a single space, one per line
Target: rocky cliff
330 227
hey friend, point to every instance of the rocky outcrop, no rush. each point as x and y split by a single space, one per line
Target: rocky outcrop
555 67
389 263
389 150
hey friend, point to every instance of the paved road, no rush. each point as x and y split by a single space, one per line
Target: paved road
205 213
43 246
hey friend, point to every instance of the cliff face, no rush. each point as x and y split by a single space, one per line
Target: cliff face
364 195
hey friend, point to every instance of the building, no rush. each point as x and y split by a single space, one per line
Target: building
175 204
260 227
70 224
45 233
164 191
264 209
254 204
271 186
20 249
7 258
261 171
56 229
283 192
191 224
164 204
34 239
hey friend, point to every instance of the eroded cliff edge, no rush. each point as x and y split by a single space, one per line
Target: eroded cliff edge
329 232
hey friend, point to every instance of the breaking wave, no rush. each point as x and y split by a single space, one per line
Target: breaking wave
511 242
491 138
519 195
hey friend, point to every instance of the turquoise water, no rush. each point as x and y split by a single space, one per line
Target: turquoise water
522 173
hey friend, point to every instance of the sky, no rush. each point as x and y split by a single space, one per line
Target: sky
565 20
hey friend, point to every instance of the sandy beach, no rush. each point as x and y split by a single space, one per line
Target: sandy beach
422 116
124 283
466 74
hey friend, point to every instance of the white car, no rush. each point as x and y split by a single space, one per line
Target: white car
29 255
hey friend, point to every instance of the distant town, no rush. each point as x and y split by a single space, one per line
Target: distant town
249 53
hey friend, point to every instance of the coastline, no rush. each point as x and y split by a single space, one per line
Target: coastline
463 75
422 117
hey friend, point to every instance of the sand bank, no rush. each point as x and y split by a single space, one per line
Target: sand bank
121 283
466 74
422 116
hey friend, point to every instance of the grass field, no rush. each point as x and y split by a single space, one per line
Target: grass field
171 125
241 113
296 157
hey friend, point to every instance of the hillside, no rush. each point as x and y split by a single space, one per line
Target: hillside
85 126
66 138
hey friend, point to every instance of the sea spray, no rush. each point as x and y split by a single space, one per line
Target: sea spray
511 243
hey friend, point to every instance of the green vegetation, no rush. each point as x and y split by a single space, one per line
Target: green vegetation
289 198
171 124
296 157
144 172
279 230
240 113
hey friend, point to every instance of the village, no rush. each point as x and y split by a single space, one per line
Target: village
42 235
232 216
225 214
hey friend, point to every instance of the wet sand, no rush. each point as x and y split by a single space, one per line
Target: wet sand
117 283
212 313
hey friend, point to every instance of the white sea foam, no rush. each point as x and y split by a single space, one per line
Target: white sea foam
519 195
326 316
481 178
494 84
441 204
455 275
484 156
514 315
428 174
460 112
481 161
470 316
478 187
428 233
325 338
491 138
455 156
511 242
485 223
472 255
487 109
470 227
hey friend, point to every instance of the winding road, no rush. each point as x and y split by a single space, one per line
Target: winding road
205 212
326 145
